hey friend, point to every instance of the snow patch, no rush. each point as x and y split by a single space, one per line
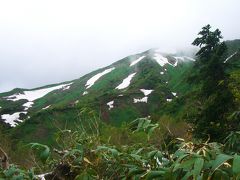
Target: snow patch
162 73
110 105
137 60
93 79
67 87
126 82
161 60
84 93
144 99
27 105
35 94
146 92
173 93
12 119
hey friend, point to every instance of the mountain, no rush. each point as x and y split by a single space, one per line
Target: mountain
150 83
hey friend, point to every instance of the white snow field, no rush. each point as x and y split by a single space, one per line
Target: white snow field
27 105
126 82
32 95
161 60
12 119
93 79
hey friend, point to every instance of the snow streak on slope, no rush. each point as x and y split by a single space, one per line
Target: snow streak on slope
12 119
35 94
179 58
183 58
230 57
126 82
46 107
137 60
93 79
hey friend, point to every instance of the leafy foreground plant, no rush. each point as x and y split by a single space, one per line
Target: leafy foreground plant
85 157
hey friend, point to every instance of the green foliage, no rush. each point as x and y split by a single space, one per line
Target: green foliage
143 125
86 157
232 142
15 173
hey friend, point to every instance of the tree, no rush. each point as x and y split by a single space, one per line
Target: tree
214 96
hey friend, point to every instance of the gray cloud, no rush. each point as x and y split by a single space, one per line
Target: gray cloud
44 42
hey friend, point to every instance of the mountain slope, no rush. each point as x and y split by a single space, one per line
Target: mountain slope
136 86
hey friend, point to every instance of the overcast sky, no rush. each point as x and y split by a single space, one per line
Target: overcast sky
50 41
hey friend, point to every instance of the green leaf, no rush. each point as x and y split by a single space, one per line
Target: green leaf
198 165
105 148
45 154
187 175
220 160
135 171
43 151
154 174
236 164
187 165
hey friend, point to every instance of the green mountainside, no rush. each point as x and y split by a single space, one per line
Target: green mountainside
150 84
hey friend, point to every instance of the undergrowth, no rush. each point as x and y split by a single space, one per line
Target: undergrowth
85 154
